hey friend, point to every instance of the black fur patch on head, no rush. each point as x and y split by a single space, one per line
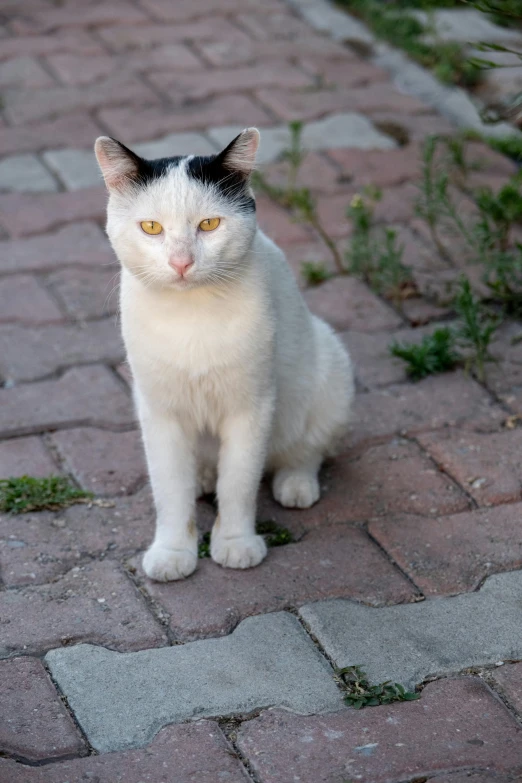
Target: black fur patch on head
149 170
145 171
233 185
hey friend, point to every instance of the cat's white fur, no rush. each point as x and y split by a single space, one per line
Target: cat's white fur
232 374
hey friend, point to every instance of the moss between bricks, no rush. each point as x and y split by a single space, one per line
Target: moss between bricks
26 493
275 535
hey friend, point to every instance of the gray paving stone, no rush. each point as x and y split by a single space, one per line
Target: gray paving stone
451 102
77 169
347 130
122 700
176 144
25 173
410 642
323 16
466 25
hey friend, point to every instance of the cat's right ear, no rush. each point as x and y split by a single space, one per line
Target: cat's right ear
119 165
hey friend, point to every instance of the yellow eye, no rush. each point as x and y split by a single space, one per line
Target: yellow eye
209 224
151 227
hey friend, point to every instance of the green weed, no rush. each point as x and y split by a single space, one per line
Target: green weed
391 21
314 272
359 693
274 535
475 328
435 354
374 254
26 493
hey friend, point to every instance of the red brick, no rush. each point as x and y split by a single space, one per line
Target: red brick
77 42
409 126
214 600
196 751
25 457
180 86
388 479
82 396
25 300
340 72
278 223
73 130
70 14
266 27
29 353
488 467
453 554
35 723
81 69
22 214
80 244
106 463
316 172
420 311
38 547
373 363
71 611
153 121
457 724
24 107
474 777
298 253
509 680
190 9
383 168
86 293
346 303
24 72
121 38
448 400
397 205
312 104
229 53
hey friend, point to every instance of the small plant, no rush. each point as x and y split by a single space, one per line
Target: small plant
498 212
359 692
374 255
299 200
275 535
391 21
295 154
314 272
475 329
24 494
435 354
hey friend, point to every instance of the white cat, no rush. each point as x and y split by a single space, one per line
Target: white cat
232 374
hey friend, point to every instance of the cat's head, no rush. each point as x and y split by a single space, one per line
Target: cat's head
181 222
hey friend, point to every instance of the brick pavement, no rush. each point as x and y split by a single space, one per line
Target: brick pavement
423 504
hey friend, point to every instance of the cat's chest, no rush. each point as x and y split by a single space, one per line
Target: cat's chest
192 342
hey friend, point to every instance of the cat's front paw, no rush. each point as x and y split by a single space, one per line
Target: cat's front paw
239 552
296 489
166 565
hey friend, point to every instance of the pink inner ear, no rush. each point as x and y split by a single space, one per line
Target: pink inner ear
116 166
242 154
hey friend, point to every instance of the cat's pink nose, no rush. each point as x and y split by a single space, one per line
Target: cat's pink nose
181 264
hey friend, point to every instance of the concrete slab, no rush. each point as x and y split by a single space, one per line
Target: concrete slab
122 701
410 642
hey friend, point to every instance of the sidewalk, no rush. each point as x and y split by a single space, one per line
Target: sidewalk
229 676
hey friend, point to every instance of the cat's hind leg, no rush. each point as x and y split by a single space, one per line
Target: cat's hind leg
298 486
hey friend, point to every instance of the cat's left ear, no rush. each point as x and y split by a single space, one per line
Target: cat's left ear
119 165
240 155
